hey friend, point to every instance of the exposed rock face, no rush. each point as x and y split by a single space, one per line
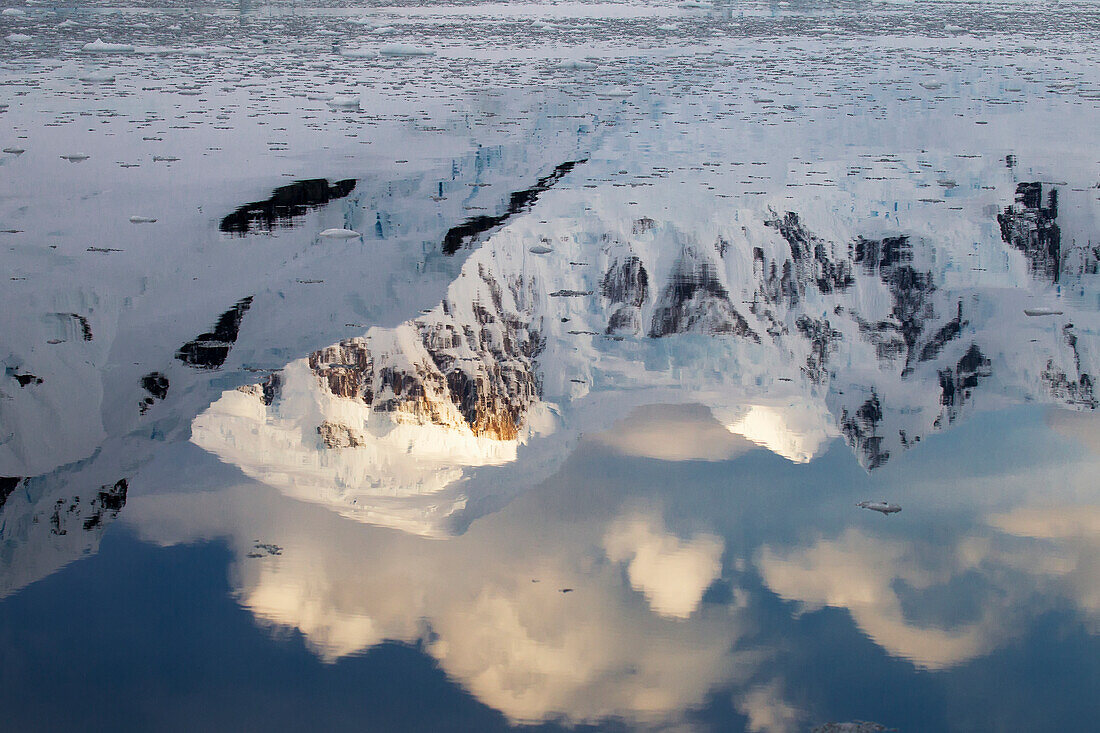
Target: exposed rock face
1078 390
271 388
956 384
823 340
901 335
1030 227
48 521
24 379
519 201
811 256
866 325
948 332
267 391
286 203
626 284
8 484
335 435
444 369
210 350
861 430
108 502
81 321
156 384
696 301
75 514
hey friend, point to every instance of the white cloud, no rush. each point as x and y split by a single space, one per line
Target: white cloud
672 573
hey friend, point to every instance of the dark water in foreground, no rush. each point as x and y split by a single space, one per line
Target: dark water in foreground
747 577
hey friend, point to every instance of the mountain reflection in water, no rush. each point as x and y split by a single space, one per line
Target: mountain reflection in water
649 303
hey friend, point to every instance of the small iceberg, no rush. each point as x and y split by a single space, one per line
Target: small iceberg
14 151
883 507
577 64
344 101
319 97
98 46
75 157
142 220
17 37
401 49
12 11
357 53
101 78
340 234
540 249
1042 312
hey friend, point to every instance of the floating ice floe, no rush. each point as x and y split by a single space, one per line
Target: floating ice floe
319 97
344 101
401 49
12 11
883 507
540 249
358 53
99 46
67 24
75 157
164 159
1042 312
340 234
618 93
576 64
142 220
954 28
17 37
14 151
101 78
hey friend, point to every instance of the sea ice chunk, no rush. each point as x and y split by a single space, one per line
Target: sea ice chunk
99 46
340 234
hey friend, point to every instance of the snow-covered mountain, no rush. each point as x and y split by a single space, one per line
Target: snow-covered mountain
99 389
792 327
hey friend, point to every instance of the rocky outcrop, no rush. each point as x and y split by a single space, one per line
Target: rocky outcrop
8 484
519 201
48 521
335 435
861 430
210 350
1074 390
824 342
811 256
956 384
626 286
696 301
1031 227
75 513
475 372
156 384
285 204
